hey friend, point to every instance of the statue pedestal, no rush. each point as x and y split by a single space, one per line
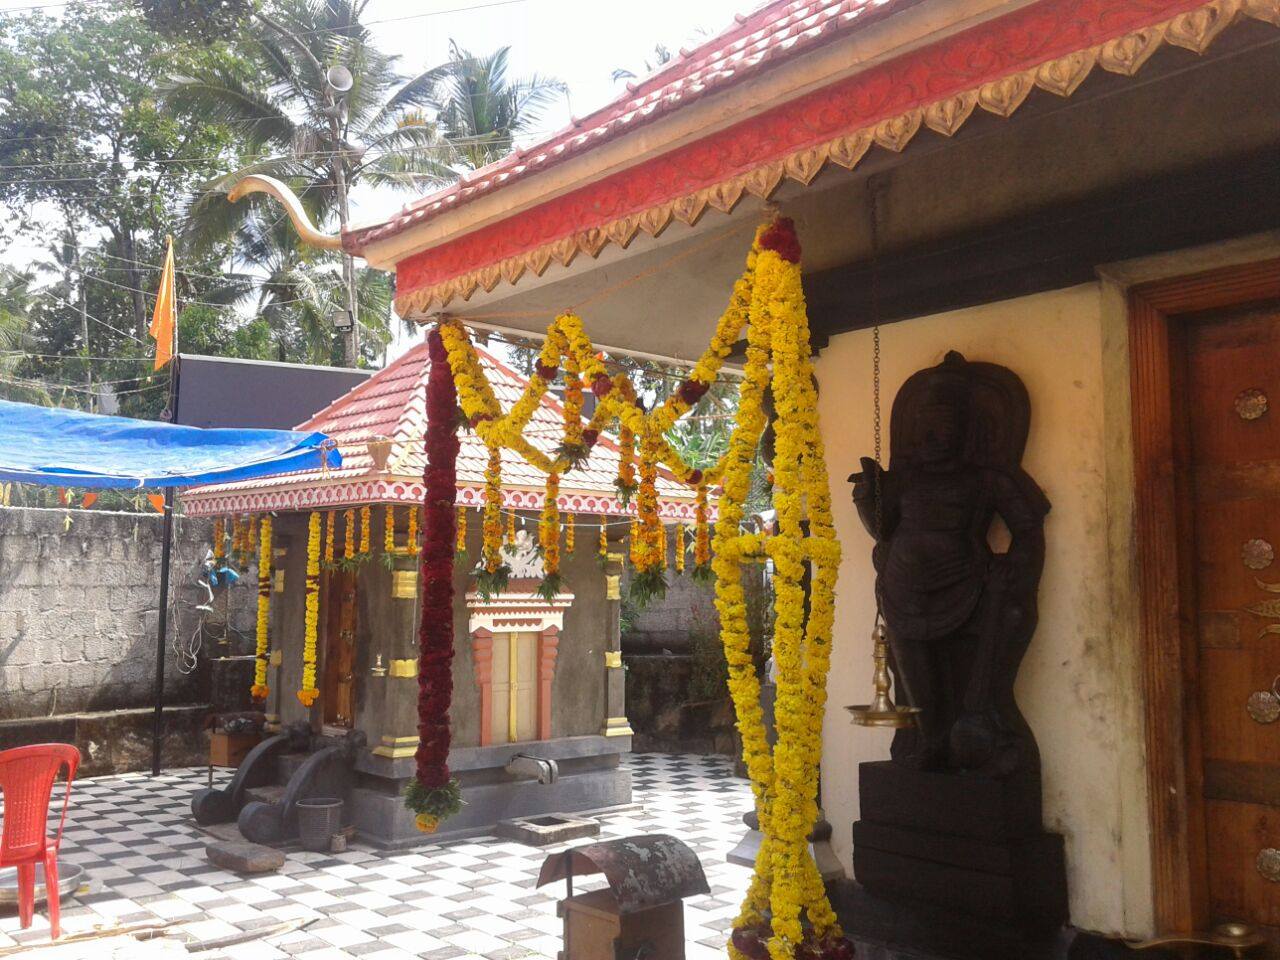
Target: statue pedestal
967 844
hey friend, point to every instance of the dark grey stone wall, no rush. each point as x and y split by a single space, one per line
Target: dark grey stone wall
79 608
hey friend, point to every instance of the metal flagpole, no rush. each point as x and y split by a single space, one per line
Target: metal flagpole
166 548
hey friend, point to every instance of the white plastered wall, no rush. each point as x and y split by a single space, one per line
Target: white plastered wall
1080 683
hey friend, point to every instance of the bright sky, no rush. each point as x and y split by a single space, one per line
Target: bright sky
580 42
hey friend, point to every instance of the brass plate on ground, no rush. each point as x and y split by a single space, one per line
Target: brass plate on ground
1264 706
1269 864
1257 554
1251 404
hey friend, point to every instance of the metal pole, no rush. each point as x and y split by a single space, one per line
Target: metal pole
166 548
162 629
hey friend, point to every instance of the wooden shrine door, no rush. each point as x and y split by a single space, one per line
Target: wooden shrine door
514 702
1233 454
337 688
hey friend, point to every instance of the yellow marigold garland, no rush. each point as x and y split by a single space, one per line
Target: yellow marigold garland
460 546
511 530
366 513
493 573
389 528
702 534
649 580
412 545
569 535
219 542
262 652
768 300
549 540
330 519
602 548
348 535
307 693
679 535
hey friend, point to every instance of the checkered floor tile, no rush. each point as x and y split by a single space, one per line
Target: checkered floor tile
464 899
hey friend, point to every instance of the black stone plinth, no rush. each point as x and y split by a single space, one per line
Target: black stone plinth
970 847
901 930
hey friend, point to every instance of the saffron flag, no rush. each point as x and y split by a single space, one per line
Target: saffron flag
162 319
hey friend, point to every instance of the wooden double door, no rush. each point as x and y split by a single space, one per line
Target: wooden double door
1230 393
338 630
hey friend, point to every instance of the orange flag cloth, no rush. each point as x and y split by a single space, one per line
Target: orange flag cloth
162 319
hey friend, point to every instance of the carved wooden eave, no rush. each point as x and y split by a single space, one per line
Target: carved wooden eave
993 67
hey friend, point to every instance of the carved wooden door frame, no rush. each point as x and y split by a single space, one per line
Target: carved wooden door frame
1157 312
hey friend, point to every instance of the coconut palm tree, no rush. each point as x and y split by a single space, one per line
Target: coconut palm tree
296 125
480 110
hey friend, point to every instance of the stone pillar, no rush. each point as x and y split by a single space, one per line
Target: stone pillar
391 711
482 659
615 716
548 645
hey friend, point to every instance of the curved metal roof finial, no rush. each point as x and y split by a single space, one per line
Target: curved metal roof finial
256 183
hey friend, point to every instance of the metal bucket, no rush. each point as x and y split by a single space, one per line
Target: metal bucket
318 820
70 880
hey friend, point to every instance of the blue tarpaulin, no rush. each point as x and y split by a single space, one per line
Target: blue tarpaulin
69 448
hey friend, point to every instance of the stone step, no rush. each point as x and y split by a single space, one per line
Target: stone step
268 794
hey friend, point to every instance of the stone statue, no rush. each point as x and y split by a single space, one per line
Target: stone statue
959 616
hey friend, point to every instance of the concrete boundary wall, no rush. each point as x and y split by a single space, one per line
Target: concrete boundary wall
79 608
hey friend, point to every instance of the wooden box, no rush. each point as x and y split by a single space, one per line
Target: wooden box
228 749
594 929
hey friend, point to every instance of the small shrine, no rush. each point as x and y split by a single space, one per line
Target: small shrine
538 720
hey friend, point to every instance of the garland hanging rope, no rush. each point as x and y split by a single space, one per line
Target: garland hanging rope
786 913
262 654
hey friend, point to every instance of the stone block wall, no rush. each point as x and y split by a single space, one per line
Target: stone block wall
79 609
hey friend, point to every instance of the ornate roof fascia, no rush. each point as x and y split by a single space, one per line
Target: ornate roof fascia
356 493
1053 45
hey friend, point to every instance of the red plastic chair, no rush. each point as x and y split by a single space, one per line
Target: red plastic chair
27 775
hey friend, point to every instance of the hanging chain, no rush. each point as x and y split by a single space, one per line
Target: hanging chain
879 445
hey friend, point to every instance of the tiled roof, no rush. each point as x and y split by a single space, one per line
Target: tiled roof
757 42
392 403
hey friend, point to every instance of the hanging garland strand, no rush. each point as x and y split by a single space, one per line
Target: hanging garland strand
549 541
493 573
262 654
433 795
308 692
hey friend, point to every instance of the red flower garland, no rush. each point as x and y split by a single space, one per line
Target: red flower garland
435 629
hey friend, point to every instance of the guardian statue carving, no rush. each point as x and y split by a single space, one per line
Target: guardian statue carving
959 615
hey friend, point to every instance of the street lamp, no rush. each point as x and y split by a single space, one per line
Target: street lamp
339 81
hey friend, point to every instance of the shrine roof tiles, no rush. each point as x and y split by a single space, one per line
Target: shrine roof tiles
392 404
755 42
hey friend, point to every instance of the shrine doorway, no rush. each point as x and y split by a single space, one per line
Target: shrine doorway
1205 362
514 700
338 629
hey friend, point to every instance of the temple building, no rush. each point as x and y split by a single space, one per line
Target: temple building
539 721
1049 230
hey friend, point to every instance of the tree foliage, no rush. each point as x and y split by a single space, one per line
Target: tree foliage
125 121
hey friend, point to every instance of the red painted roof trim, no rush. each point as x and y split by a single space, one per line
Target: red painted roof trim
991 50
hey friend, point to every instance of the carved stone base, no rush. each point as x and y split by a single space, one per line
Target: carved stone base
961 843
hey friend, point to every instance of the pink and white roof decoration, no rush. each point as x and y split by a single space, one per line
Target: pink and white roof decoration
392 404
